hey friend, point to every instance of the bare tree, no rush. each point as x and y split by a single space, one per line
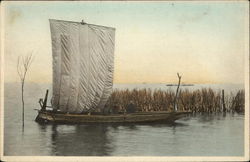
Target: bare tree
23 64
176 95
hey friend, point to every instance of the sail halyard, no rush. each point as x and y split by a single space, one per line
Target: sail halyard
82 58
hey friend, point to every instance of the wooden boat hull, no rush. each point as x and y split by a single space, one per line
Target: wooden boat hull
49 116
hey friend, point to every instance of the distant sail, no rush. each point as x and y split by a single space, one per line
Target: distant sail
83 65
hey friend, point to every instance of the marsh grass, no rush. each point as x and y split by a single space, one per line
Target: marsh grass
203 100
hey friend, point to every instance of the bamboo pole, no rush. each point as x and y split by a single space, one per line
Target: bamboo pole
176 95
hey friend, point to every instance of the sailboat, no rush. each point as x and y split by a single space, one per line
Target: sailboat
83 66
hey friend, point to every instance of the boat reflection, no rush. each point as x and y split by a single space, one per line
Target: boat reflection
83 140
91 139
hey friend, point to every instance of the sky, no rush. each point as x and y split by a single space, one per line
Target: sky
206 42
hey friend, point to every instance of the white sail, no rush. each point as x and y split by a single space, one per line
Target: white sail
83 63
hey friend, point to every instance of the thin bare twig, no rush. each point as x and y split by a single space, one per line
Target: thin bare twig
23 64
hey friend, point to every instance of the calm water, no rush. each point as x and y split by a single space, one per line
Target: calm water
200 135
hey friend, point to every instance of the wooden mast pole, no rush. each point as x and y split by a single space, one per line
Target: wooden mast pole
45 101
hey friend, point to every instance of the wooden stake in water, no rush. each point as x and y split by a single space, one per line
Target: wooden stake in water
223 102
176 95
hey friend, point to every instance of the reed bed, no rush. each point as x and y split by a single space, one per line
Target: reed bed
198 101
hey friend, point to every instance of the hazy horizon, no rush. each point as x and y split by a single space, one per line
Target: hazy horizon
18 82
206 42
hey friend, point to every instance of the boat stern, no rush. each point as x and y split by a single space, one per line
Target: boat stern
43 117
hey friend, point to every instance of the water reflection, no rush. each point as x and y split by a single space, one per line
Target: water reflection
137 139
83 140
210 118
134 126
91 139
42 127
